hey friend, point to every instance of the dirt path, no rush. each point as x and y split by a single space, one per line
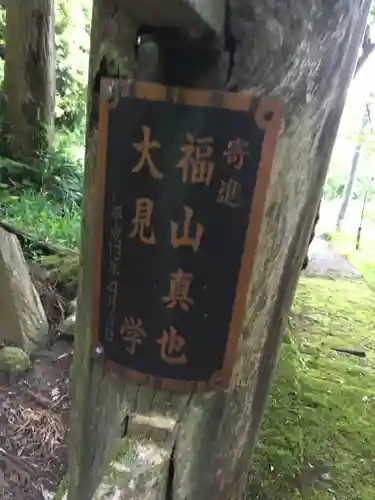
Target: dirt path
325 262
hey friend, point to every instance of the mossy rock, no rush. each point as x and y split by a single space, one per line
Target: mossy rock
68 326
14 360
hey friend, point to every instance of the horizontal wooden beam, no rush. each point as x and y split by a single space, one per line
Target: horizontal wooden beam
194 15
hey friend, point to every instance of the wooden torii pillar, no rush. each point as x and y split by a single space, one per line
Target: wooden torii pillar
213 44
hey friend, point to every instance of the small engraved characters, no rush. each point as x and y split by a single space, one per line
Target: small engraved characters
236 152
113 269
196 163
142 221
145 149
185 239
115 247
171 347
229 193
179 291
112 289
110 323
115 232
132 333
116 213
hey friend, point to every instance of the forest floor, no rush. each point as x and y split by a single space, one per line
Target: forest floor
33 422
34 411
316 439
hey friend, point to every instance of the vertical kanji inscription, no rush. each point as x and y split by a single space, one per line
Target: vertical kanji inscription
180 173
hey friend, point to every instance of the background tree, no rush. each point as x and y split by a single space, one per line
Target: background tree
54 181
348 189
29 80
367 49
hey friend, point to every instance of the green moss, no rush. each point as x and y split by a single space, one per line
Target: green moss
61 490
14 360
317 436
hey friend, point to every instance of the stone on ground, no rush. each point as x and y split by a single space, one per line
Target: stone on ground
324 261
67 326
14 361
23 322
72 308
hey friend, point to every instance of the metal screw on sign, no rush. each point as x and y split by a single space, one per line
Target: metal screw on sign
97 352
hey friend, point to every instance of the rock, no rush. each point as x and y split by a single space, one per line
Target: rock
38 273
14 361
67 327
23 321
72 307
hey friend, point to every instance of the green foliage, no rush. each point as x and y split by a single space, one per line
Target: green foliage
372 14
364 258
317 435
59 175
36 213
44 199
334 185
327 236
336 180
2 24
72 48
61 178
340 167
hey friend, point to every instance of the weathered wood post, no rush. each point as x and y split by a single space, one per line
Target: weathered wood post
238 46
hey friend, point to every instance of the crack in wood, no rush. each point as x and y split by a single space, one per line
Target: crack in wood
125 426
170 475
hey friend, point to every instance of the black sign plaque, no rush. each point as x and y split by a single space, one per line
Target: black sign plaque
182 181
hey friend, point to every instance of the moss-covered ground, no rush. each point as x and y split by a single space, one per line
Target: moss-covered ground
317 437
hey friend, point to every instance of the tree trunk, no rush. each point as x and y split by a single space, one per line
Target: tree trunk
271 53
29 79
348 189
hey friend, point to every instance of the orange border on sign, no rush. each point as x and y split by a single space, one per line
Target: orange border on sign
233 101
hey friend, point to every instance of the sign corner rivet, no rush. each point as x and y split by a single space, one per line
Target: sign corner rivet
97 352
